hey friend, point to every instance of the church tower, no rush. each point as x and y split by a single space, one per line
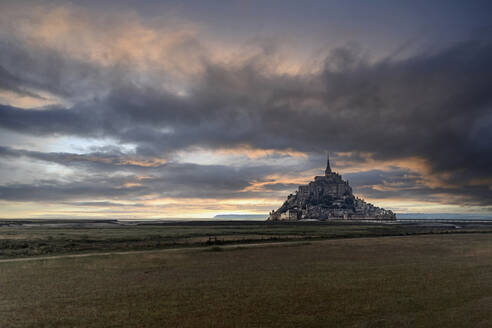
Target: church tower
328 168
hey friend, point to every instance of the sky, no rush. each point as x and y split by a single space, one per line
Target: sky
190 109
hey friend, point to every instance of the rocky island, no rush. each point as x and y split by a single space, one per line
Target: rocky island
328 197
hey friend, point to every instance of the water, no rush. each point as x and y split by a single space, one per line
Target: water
444 216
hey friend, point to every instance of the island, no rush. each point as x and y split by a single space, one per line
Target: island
328 197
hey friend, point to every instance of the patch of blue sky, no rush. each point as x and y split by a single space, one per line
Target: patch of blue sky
79 145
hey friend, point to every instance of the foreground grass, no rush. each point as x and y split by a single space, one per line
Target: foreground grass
416 281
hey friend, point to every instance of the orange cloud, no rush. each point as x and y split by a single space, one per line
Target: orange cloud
175 47
254 153
148 162
415 164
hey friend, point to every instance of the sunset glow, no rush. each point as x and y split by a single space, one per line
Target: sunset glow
157 111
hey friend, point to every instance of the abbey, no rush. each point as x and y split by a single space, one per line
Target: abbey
328 197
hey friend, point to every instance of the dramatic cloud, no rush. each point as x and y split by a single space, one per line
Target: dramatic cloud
417 127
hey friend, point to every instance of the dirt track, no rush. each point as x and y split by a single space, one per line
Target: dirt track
183 249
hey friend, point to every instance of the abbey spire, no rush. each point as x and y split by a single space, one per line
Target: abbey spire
328 168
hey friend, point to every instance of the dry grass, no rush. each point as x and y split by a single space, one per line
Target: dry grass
417 281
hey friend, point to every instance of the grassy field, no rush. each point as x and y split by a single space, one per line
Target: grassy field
412 281
41 238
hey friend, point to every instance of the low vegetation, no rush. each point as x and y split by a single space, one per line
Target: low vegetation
434 280
32 238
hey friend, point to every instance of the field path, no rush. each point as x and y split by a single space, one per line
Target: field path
182 249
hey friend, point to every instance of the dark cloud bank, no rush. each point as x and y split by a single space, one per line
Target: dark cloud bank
436 106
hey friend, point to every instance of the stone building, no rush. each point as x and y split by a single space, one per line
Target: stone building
328 197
